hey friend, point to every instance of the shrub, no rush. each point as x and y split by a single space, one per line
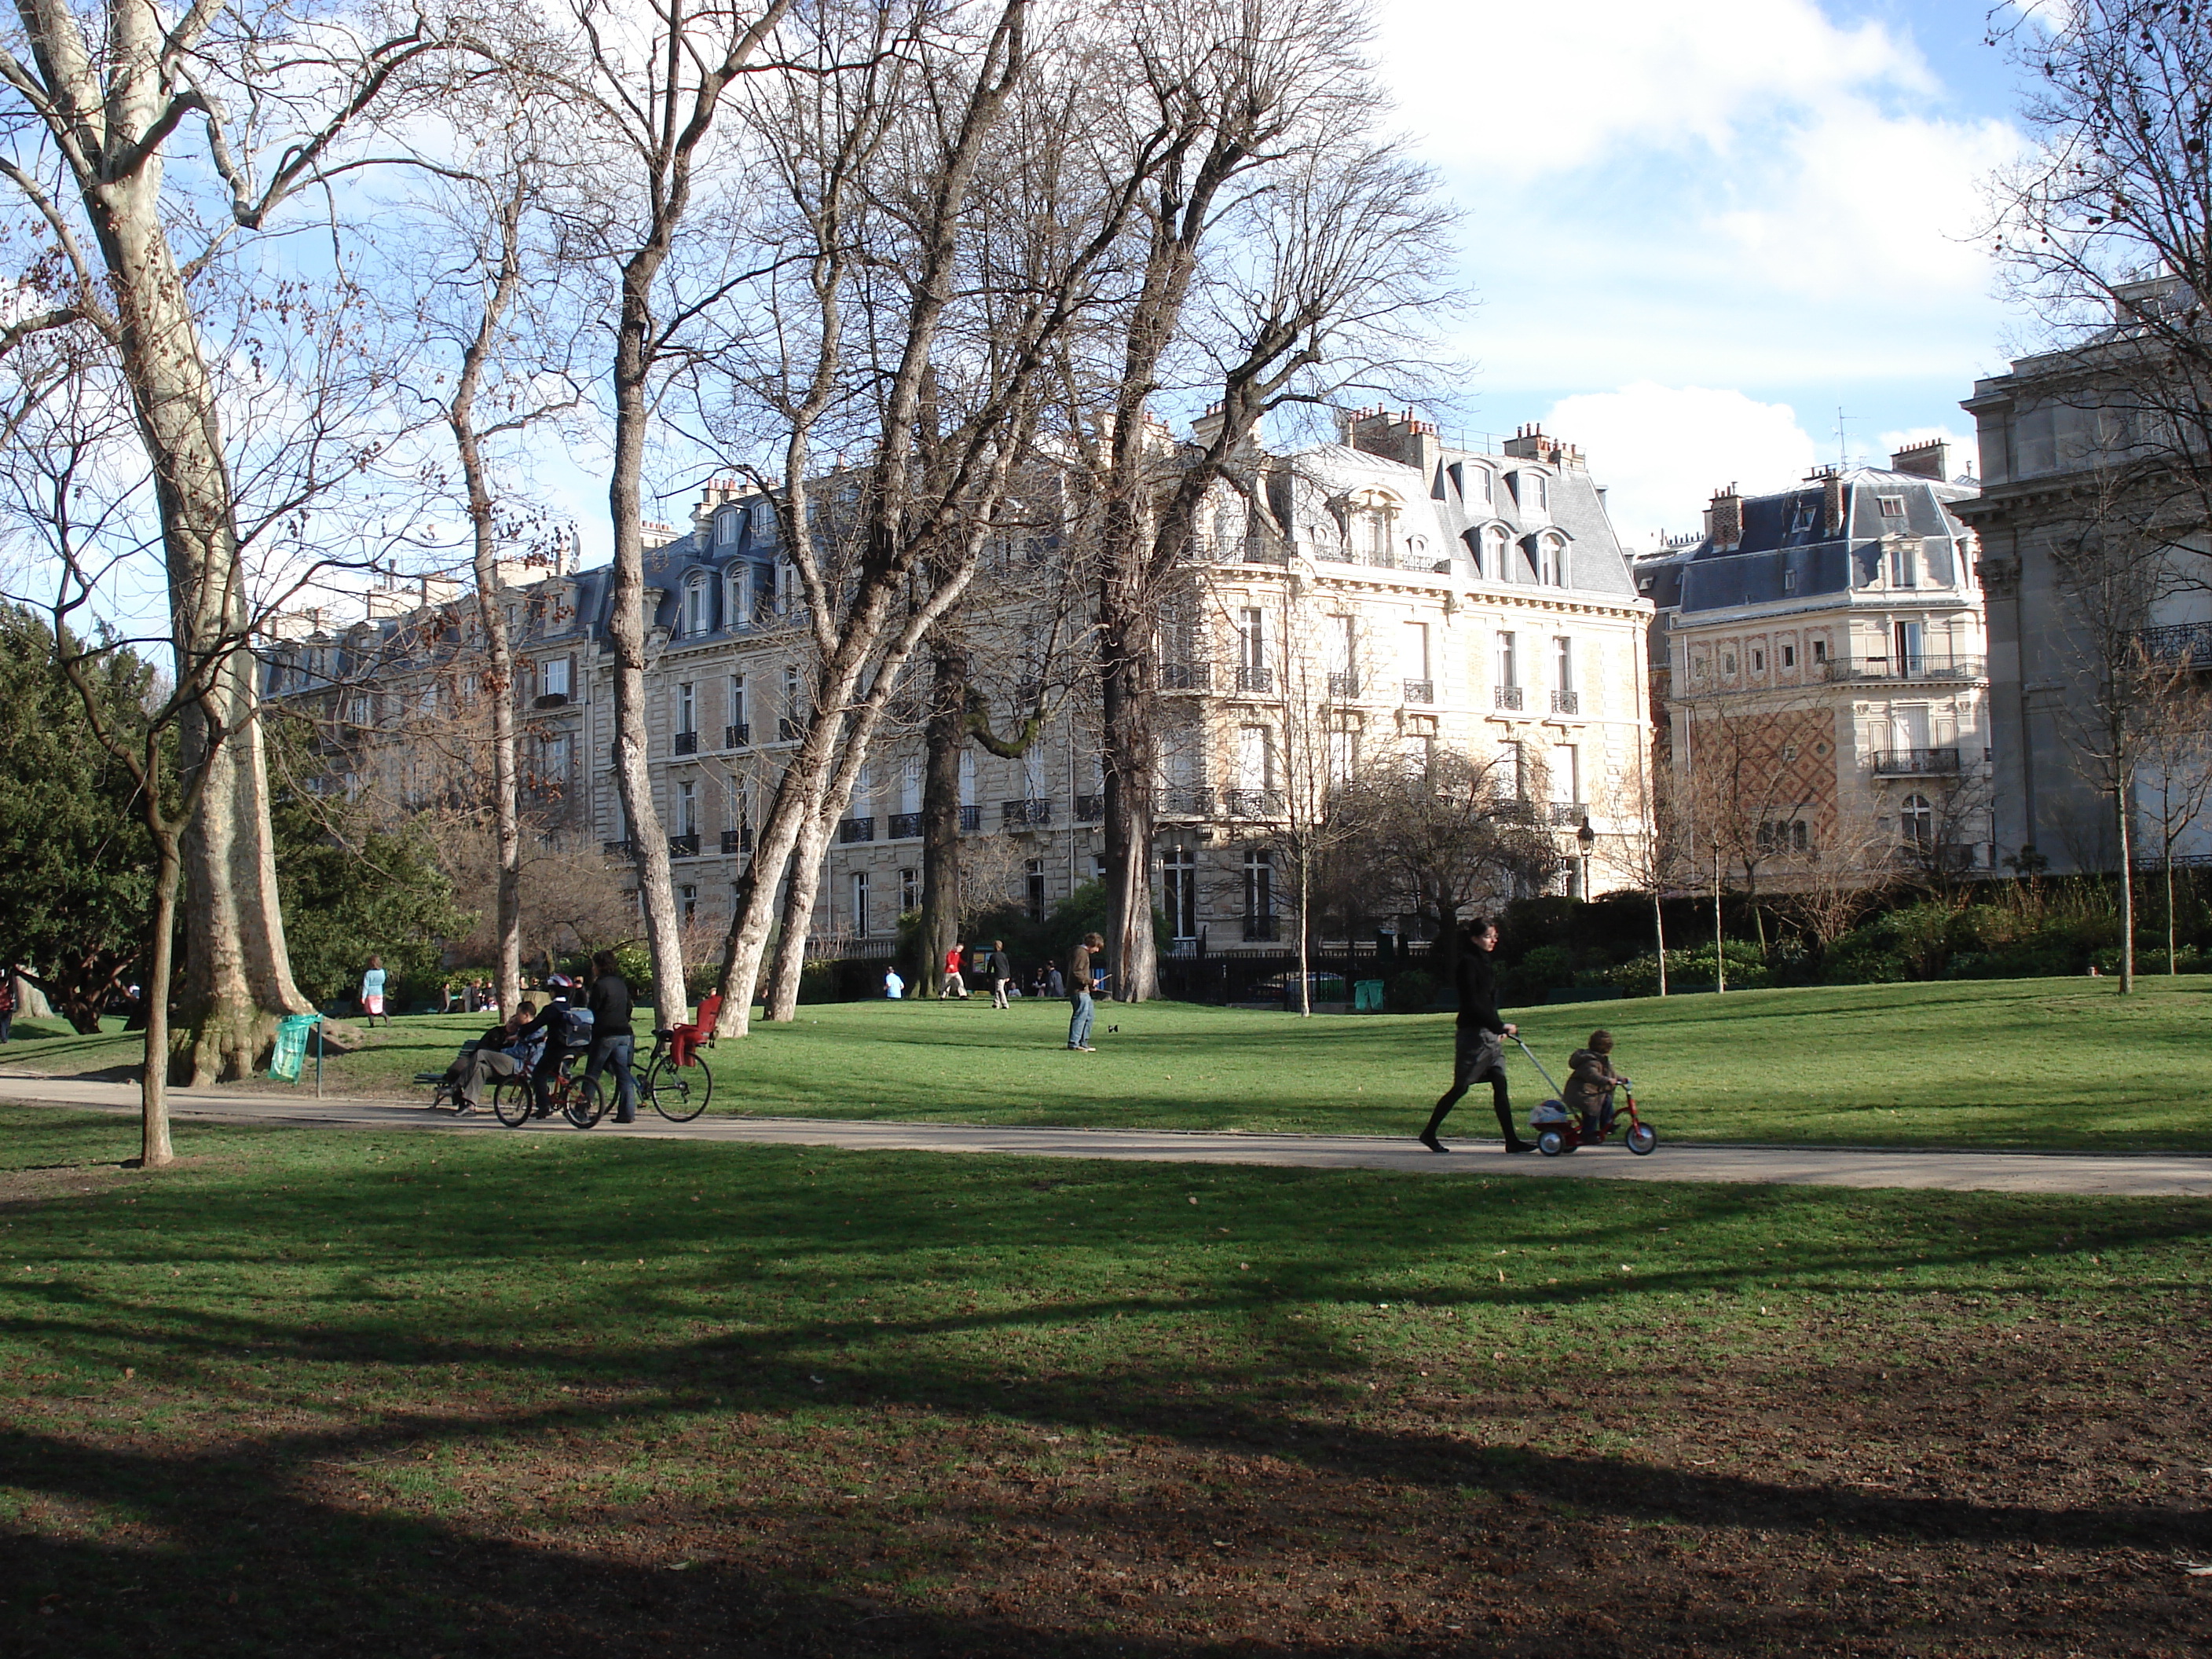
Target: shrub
1410 992
1746 970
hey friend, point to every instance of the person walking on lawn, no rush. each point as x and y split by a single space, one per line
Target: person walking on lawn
372 992
954 985
1478 1046
613 1042
1002 973
1079 993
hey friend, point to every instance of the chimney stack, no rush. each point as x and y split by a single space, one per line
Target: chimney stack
1395 435
1931 459
1724 519
1531 443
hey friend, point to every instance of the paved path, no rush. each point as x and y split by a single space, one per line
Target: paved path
1964 1171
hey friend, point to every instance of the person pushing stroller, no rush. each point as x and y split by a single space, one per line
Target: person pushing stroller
1590 1082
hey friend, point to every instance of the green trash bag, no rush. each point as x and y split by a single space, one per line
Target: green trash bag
291 1046
1367 996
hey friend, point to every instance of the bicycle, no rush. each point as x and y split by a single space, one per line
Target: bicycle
675 1079
576 1097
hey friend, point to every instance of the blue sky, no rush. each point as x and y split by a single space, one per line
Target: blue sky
1697 230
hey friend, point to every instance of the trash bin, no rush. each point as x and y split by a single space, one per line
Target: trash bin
1367 996
291 1050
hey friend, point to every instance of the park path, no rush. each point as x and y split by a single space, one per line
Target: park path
2098 1174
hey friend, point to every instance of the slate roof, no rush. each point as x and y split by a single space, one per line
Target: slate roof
1785 535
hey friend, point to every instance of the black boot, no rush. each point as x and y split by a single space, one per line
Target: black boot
1513 1141
1428 1136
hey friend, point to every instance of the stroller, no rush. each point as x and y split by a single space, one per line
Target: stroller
1559 1130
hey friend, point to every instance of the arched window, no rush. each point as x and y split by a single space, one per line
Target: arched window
1916 823
1551 561
726 527
698 611
737 596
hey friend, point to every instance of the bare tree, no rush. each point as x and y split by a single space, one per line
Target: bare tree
97 99
1734 797
2176 762
1828 889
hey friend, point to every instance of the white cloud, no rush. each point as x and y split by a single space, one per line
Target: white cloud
1661 450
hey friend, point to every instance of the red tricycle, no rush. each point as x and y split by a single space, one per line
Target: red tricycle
1559 1130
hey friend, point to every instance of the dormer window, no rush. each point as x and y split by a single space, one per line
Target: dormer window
726 527
697 611
1893 506
737 603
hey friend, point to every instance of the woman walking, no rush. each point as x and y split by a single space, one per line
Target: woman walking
372 992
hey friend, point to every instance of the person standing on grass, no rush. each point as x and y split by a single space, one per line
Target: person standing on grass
372 992
1079 993
613 1042
954 986
1002 973
1479 1037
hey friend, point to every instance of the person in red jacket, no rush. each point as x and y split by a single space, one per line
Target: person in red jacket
955 986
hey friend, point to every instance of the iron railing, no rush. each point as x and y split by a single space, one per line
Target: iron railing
1916 762
687 743
1186 677
786 729
737 735
1088 809
1343 685
905 826
1420 690
1567 702
1252 803
2182 643
1025 814
1256 679
1507 696
1568 812
738 840
684 847
852 829
971 817
1185 800
1905 667
614 849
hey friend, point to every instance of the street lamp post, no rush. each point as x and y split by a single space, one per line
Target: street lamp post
1586 838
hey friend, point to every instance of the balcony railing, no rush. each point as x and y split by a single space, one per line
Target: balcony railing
971 817
687 743
1420 690
1252 803
786 729
1568 812
1025 814
1916 764
1343 685
550 700
905 826
1507 696
1906 667
614 849
684 847
852 829
1259 928
1088 809
2182 644
1186 677
737 735
1256 679
1185 800
1567 702
738 840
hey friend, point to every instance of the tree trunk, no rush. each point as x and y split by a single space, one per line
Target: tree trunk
154 1147
1305 947
499 688
2127 890
944 894
1720 941
800 894
1659 931
1129 760
626 630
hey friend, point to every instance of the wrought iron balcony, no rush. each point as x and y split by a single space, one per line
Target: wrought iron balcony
1916 764
738 840
852 829
1905 667
1507 696
971 817
687 743
550 700
1420 690
1256 679
1567 702
1568 812
2188 644
905 826
737 736
1025 814
1186 677
1343 685
684 847
1088 809
1252 803
614 849
1184 800
787 730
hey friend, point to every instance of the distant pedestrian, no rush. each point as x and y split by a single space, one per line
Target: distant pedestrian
1002 973
1478 1046
1055 983
614 1044
372 992
1079 993
894 987
955 985
6 1003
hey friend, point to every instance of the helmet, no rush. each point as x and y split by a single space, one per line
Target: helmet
560 983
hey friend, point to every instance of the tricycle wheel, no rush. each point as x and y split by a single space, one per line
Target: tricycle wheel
1642 1139
1550 1143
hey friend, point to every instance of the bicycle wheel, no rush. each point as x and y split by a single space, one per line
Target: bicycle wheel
679 1093
510 1101
582 1101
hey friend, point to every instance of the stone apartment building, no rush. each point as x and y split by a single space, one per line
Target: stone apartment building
1355 603
1821 656
2064 442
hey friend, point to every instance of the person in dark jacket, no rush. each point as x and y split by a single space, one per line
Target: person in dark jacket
1479 1049
1002 973
557 1027
613 1042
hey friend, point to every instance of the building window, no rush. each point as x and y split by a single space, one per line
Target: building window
1179 884
1916 823
1903 568
695 609
1259 893
553 677
736 703
1563 662
1566 774
687 709
1758 662
1819 650
1790 581
688 897
1510 775
1255 759
687 808
859 879
726 528
1033 887
1508 669
737 599
1893 506
1252 639
1788 753
1789 656
909 891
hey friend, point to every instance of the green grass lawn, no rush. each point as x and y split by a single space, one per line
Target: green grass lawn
547 1394
2023 1063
